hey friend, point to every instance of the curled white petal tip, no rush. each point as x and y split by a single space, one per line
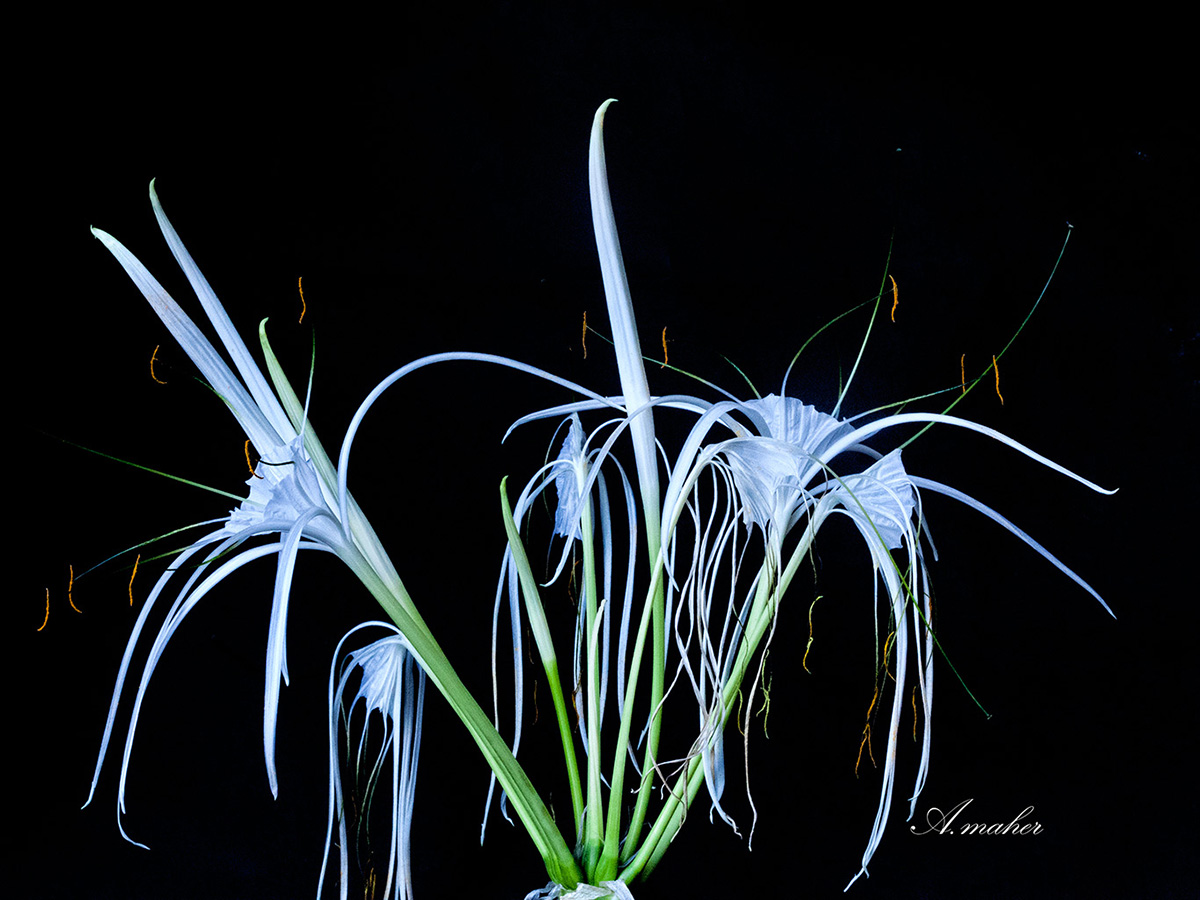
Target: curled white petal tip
630 368
861 872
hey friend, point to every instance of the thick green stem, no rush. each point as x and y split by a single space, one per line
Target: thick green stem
560 864
545 645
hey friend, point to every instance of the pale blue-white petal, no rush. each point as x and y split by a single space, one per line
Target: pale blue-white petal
863 432
1003 522
377 391
276 666
881 499
196 345
242 360
175 618
624 327
123 671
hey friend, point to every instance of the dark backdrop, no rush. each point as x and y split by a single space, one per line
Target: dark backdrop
439 202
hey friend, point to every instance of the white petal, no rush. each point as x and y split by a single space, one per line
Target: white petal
242 360
624 327
277 642
195 344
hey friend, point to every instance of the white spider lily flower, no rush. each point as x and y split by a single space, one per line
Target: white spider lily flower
790 473
572 470
882 502
392 684
291 495
767 468
795 422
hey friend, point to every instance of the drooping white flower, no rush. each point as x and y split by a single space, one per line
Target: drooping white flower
393 684
569 479
797 469
297 494
291 495
767 467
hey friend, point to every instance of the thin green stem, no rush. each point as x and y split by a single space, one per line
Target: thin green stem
762 613
125 462
612 837
593 838
866 337
658 615
967 388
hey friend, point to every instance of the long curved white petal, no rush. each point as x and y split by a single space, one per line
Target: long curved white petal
277 642
862 433
958 495
195 345
242 359
624 327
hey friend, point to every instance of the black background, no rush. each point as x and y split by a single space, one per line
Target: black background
439 202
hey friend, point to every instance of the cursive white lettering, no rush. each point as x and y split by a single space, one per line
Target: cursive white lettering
940 823
943 820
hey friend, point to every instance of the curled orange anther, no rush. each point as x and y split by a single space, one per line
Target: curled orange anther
153 357
303 305
997 368
664 339
895 298
249 465
70 584
808 646
47 619
866 742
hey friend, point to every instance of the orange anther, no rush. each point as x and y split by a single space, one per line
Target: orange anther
895 298
303 305
997 368
70 583
153 357
583 337
132 576
914 699
47 619
866 742
664 339
249 465
808 646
